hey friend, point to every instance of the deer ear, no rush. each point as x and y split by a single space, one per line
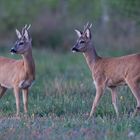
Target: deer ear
78 33
26 34
18 33
88 34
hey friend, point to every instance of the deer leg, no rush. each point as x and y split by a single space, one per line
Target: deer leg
114 100
25 99
16 93
134 86
99 93
3 90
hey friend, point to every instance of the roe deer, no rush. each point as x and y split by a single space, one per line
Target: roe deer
109 72
18 74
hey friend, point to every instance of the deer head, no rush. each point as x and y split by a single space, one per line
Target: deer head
23 43
83 39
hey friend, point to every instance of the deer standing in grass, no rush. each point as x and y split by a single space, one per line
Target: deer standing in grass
18 74
109 72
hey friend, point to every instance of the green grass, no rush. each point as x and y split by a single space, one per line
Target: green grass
60 101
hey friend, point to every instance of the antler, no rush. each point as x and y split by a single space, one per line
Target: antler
25 28
87 26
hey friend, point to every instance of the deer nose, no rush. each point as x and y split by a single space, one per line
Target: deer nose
74 49
13 50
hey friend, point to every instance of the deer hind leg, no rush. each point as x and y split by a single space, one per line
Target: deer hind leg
99 93
25 100
2 90
114 100
16 93
134 86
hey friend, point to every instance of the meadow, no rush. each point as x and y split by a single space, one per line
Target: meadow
60 102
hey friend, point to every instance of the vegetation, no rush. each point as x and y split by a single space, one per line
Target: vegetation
60 101
61 98
116 23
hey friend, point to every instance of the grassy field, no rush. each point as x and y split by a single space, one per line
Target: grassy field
60 101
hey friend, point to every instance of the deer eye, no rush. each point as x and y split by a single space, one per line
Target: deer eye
82 41
21 43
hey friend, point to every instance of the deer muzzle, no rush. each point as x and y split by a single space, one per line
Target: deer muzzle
74 49
13 50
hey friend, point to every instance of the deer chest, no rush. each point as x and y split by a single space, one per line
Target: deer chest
26 84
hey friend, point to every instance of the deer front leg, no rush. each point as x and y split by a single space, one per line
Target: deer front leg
134 86
16 93
99 93
114 100
3 90
25 100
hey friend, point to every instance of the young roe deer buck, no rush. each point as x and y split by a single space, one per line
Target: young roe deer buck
109 72
18 74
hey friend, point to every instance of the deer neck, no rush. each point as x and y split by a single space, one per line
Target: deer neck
91 56
29 65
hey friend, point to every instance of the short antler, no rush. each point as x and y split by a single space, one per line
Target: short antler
87 26
25 28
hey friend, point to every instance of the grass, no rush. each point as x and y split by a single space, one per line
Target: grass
60 101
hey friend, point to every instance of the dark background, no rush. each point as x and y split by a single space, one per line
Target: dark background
116 23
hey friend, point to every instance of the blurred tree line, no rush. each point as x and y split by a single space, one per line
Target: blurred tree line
53 21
